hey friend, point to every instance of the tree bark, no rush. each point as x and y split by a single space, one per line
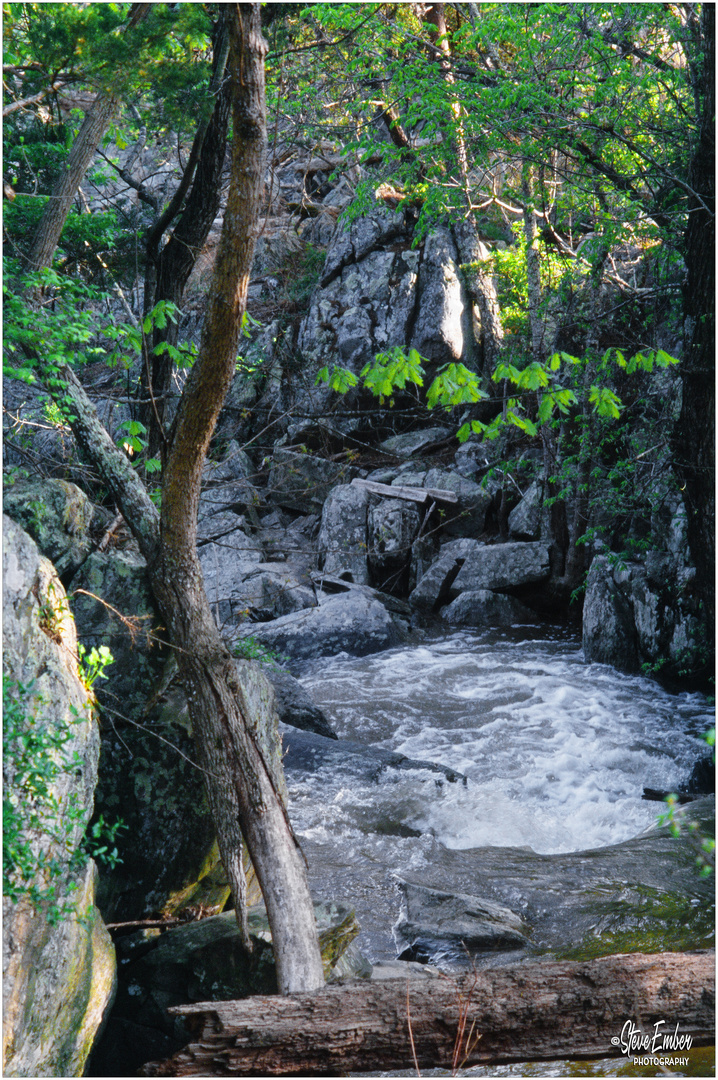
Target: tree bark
693 441
168 269
240 785
241 789
84 148
517 1013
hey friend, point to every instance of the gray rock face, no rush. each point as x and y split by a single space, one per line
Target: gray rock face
349 622
469 517
238 495
435 926
503 566
294 705
481 607
525 519
57 515
636 614
342 542
442 331
391 527
237 587
303 481
411 442
376 292
434 586
58 979
236 465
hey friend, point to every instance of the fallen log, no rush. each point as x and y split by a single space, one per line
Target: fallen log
410 494
518 1013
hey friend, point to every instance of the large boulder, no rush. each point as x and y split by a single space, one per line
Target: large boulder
433 588
303 481
525 518
294 705
434 925
469 516
308 753
408 443
392 527
481 607
642 615
352 622
57 515
503 566
58 959
342 542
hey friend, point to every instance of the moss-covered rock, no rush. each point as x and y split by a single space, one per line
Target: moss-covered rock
203 961
149 777
58 960
57 515
113 606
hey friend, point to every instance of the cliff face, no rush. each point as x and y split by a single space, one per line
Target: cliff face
58 960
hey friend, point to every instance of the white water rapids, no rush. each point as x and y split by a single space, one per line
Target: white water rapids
557 751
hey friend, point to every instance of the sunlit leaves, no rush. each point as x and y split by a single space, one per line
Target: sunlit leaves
340 380
605 402
454 385
393 370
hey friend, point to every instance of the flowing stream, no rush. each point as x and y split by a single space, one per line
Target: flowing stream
557 751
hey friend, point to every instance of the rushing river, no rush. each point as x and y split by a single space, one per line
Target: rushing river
557 751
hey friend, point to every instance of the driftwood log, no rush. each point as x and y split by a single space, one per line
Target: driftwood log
518 1013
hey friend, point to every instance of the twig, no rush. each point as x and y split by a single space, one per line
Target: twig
411 1033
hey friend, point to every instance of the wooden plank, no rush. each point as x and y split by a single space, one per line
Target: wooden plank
410 494
521 1012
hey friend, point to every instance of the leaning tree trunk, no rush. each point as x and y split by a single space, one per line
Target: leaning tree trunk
84 148
241 791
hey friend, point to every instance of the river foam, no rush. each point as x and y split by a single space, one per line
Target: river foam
557 751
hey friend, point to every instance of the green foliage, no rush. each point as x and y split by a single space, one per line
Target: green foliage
91 664
38 825
62 330
100 841
251 648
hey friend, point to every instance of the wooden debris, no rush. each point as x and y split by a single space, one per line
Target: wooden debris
410 494
536 1011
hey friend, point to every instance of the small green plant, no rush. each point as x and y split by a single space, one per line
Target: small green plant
91 664
704 846
249 648
100 842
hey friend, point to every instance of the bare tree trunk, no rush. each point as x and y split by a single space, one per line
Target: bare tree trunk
525 1012
84 148
241 789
